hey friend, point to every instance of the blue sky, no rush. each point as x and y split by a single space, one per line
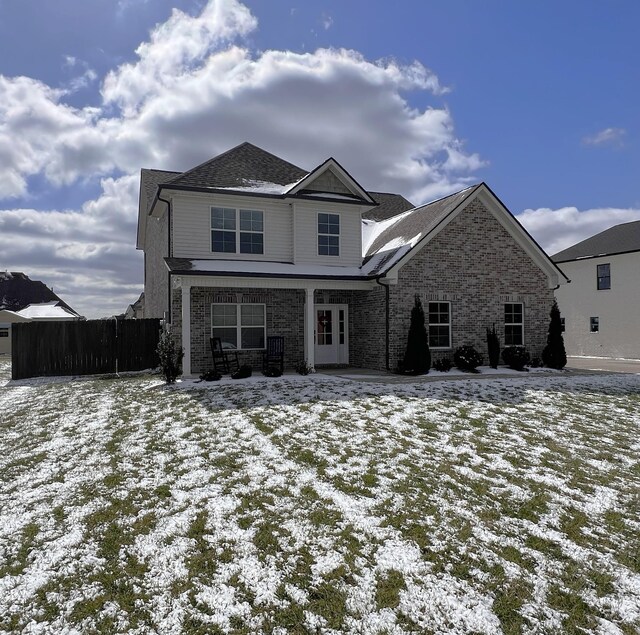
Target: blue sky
423 97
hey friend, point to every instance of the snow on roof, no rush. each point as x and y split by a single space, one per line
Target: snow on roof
260 187
46 310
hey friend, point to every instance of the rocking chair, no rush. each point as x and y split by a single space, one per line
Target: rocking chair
223 358
273 356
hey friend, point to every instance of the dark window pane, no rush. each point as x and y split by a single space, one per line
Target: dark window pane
438 336
223 241
251 220
329 245
229 336
223 218
594 324
251 243
513 335
252 337
252 315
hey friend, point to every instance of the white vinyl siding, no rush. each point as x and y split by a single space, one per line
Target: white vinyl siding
191 221
306 219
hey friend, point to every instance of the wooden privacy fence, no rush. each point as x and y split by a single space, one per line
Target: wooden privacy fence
88 347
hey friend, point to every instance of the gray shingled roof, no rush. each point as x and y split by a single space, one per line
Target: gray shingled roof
618 239
419 221
150 179
18 291
236 167
389 205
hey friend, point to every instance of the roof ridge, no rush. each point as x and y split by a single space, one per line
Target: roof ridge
475 186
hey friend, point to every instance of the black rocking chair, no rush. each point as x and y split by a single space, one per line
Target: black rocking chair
223 358
273 357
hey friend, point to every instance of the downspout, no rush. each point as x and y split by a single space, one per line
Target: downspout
387 319
168 202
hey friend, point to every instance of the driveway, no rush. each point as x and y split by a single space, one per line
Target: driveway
604 364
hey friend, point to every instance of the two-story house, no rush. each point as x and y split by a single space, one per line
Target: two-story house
248 245
601 306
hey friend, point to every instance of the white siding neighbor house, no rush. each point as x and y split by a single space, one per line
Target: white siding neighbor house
248 245
601 306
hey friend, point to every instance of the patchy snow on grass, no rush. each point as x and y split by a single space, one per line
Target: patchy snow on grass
319 504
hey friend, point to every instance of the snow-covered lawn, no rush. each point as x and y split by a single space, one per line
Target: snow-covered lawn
320 505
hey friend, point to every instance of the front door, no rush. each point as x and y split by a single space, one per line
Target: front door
332 326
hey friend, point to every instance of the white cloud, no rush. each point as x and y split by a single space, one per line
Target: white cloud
608 136
327 21
194 91
557 229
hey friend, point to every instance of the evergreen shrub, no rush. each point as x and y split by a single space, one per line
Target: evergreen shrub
516 357
211 375
493 346
169 356
417 356
467 358
554 354
243 372
272 371
444 365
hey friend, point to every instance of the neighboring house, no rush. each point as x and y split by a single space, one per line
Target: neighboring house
25 300
247 245
135 311
7 319
601 306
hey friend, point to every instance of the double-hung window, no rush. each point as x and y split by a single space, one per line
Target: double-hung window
594 324
241 326
328 234
604 276
513 324
237 231
439 325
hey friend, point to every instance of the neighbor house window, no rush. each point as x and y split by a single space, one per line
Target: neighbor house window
594 324
562 325
604 276
237 231
328 234
241 326
4 331
513 324
439 324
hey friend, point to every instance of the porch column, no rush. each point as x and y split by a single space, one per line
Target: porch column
186 329
309 327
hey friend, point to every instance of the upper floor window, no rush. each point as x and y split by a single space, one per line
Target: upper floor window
237 231
594 324
604 276
328 234
513 324
439 325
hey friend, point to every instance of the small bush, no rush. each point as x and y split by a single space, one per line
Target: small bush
493 346
272 371
536 362
243 372
516 357
211 375
444 365
169 356
302 368
467 358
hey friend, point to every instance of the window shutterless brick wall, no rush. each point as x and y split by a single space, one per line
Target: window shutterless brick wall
476 265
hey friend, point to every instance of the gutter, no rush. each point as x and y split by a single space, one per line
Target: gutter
169 208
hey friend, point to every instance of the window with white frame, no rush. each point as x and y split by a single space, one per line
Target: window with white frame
604 276
513 324
439 324
237 231
240 326
328 234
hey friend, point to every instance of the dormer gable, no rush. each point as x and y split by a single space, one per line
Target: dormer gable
331 180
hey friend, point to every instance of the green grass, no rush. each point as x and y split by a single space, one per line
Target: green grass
318 505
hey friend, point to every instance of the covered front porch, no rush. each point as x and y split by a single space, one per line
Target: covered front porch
321 320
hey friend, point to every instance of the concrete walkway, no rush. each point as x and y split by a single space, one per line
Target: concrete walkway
604 364
367 375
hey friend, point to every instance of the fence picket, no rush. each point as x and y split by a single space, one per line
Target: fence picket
40 349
